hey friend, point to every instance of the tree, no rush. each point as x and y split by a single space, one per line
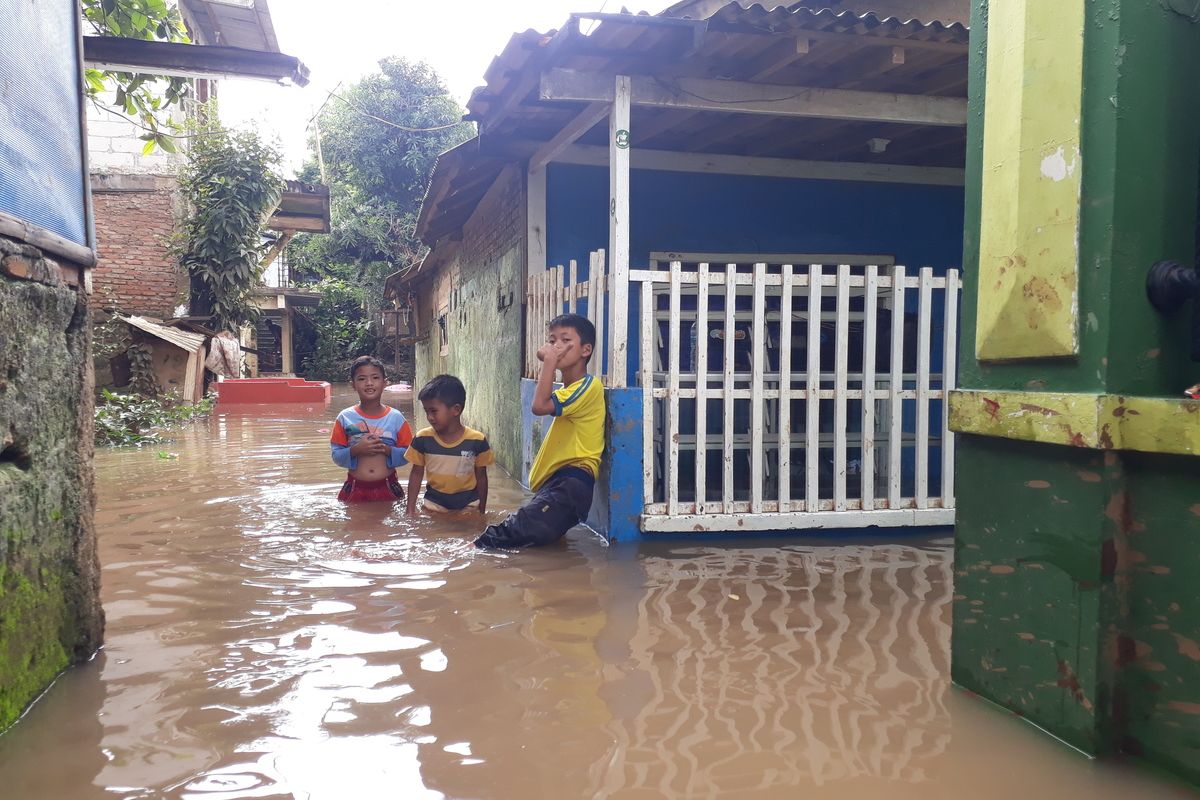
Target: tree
231 184
378 142
146 98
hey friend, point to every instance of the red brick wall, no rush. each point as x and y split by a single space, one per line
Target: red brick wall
134 222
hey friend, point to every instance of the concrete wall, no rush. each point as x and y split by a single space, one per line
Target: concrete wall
114 146
50 615
485 340
135 218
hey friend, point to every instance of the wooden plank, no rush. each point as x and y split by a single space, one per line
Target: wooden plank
812 393
949 378
758 347
599 286
560 290
618 229
646 363
670 161
573 294
785 388
701 367
840 378
896 421
727 388
181 60
567 135
802 520
591 300
535 220
744 97
924 326
871 311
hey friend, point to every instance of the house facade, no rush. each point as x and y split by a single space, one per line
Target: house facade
683 181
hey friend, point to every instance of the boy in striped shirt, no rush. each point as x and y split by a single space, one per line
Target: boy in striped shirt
452 458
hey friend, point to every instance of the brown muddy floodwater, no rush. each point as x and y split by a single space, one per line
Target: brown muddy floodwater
266 642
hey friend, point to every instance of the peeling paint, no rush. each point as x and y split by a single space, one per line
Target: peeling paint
1055 166
1187 647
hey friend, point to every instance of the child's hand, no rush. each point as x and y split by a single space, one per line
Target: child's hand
548 353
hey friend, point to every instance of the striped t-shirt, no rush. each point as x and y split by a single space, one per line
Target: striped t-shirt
450 466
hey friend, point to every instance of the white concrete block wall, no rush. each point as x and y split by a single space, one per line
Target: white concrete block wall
114 146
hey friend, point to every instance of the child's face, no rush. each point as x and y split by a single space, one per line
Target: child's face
571 351
440 415
368 382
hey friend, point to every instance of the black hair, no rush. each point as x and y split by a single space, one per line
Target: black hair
445 388
581 326
366 361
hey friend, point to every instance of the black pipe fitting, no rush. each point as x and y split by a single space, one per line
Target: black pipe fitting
1169 285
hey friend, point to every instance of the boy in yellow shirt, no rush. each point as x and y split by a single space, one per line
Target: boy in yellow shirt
452 458
564 472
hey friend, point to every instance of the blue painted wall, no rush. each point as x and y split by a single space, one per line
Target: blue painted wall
674 211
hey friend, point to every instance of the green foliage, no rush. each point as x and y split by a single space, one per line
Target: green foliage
146 98
231 183
141 369
343 330
125 419
379 140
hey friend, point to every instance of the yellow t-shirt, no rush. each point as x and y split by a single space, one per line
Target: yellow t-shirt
450 466
576 437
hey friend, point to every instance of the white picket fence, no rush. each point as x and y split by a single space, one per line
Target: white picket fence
558 290
750 423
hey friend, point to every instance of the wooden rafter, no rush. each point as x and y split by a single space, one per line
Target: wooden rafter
756 98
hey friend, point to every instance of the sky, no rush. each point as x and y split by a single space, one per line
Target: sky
343 41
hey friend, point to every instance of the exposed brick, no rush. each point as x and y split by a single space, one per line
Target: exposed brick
17 267
136 270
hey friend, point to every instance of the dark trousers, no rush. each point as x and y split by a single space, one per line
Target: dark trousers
560 504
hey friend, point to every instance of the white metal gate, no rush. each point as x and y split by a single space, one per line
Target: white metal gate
785 418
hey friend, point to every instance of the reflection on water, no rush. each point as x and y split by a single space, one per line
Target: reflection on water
265 641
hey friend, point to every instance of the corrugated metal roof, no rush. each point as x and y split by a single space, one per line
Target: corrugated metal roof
738 41
191 342
827 20
625 41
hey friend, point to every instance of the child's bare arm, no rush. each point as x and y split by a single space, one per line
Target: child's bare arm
414 487
481 486
543 400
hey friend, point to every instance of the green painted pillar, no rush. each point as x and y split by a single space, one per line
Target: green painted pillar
1078 543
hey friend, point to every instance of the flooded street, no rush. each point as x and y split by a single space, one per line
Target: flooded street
265 641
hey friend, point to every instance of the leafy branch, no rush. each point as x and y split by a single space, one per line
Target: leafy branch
144 97
232 184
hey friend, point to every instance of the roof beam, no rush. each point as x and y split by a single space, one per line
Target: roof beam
670 161
189 60
704 94
587 119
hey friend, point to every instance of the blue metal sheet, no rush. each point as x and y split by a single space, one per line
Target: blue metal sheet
41 141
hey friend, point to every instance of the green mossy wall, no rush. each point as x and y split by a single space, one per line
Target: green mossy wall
50 614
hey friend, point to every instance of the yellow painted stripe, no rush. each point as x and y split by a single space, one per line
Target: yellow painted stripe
1095 421
1032 170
